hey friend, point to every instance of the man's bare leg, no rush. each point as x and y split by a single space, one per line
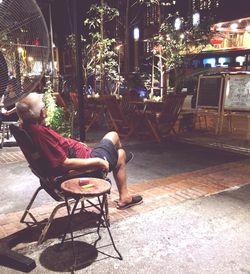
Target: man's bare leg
120 176
114 138
120 173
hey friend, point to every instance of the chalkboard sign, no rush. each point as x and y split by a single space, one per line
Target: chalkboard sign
237 95
209 91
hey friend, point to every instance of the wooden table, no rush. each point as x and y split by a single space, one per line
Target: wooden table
95 110
85 187
144 106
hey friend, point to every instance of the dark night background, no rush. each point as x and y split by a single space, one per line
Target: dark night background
62 13
62 16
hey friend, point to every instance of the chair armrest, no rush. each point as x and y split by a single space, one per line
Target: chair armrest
85 173
97 173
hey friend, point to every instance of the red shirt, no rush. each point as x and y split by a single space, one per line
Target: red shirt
54 147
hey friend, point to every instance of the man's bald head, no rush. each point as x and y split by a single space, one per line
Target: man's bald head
29 109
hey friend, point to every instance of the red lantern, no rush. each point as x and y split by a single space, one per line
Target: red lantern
216 40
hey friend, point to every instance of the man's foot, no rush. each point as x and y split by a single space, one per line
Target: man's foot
136 200
129 157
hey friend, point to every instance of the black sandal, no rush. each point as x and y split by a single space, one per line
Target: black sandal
129 157
136 200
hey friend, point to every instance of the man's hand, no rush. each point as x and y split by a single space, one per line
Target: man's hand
4 112
104 165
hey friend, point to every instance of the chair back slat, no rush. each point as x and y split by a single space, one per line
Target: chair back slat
118 120
113 108
29 150
172 107
74 99
36 161
60 101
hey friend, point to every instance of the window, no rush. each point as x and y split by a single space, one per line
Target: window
223 61
240 60
196 63
209 62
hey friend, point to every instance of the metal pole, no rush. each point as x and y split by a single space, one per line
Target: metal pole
136 63
119 69
102 91
79 69
51 42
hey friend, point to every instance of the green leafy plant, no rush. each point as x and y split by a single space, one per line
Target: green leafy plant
57 119
100 58
172 45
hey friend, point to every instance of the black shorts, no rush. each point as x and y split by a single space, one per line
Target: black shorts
106 150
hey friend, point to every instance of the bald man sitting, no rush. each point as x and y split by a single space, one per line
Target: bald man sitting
64 154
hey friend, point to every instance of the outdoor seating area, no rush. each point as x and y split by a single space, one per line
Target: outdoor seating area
157 120
132 118
154 120
124 136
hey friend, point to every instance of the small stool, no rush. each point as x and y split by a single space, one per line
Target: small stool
85 188
5 130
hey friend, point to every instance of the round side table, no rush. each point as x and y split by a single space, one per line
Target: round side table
87 188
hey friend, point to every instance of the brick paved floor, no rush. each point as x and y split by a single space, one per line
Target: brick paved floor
11 157
157 193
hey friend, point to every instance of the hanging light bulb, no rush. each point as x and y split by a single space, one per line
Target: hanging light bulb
234 27
177 23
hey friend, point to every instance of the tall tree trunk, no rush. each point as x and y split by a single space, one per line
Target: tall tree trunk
126 46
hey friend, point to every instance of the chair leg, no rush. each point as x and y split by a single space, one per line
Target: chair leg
3 134
51 218
130 133
93 121
154 131
8 132
27 210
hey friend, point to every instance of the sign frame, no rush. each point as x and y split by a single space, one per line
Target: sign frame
243 102
220 95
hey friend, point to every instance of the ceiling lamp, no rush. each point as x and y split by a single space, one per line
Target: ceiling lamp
234 27
220 29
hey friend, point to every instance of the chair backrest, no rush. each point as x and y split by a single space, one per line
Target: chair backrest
37 163
127 103
29 150
114 109
74 99
60 101
172 107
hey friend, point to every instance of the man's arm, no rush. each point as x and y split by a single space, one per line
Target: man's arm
81 164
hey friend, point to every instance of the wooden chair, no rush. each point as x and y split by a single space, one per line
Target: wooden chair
162 122
60 101
128 104
91 111
94 111
74 99
117 118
